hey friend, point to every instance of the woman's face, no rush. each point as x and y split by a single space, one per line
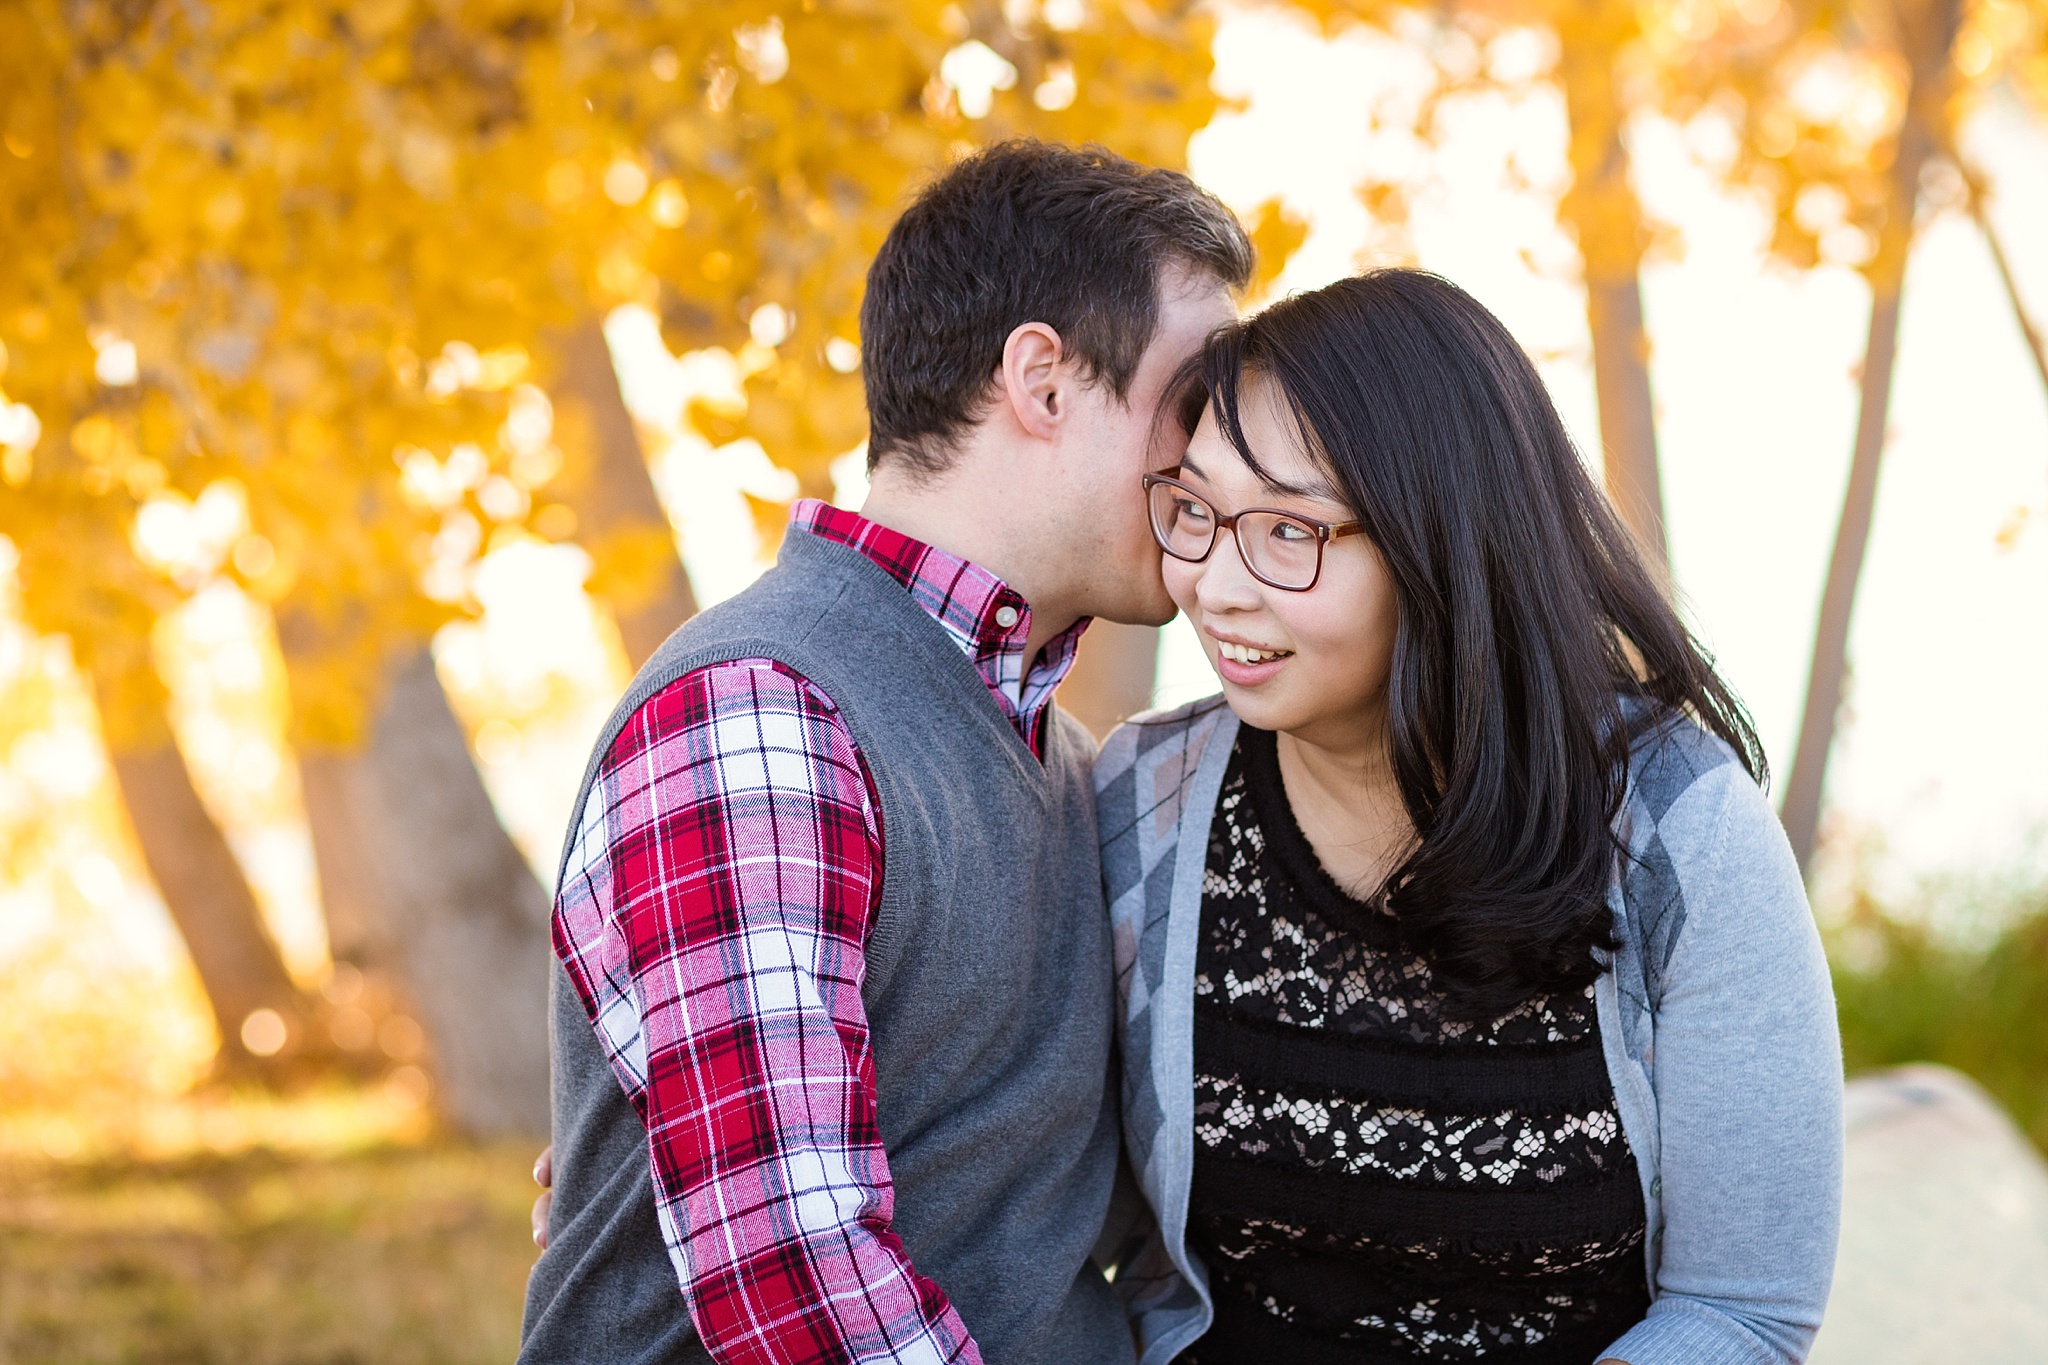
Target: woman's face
1313 664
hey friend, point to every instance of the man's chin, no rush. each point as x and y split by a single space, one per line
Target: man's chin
1140 613
1131 591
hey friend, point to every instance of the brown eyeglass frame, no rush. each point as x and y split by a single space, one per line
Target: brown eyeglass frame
1326 531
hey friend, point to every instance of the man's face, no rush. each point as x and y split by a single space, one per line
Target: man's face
1103 504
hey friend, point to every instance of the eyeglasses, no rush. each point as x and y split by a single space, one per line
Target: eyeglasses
1280 549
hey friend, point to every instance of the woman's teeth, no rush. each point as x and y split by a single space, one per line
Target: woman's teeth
1245 654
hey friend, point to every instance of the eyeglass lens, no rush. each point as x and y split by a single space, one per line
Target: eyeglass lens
1279 549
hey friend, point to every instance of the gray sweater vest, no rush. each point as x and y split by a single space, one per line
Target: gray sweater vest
988 996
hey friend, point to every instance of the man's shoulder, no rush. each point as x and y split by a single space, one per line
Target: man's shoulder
825 610
779 608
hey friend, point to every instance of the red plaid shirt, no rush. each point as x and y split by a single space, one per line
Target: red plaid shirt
724 876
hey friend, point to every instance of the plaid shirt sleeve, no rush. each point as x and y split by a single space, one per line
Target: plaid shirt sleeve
723 879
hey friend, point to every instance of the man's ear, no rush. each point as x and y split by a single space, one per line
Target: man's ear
1035 385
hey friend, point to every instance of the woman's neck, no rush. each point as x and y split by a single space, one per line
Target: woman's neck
1345 798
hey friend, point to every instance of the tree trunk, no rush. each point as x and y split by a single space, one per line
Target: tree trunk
1628 424
1825 675
331 680
605 482
1926 35
373 914
1112 675
354 895
474 941
188 857
1602 210
368 989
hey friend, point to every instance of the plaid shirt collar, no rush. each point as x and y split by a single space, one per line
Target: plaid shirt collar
984 615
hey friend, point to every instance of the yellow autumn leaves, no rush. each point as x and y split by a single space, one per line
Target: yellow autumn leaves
300 246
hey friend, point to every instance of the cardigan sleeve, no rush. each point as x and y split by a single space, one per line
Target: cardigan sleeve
1747 1069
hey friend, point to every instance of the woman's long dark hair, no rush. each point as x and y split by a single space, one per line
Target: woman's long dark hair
1526 616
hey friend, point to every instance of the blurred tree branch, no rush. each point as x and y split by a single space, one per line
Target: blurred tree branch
1975 189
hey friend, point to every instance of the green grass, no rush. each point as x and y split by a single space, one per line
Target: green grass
389 1256
1908 995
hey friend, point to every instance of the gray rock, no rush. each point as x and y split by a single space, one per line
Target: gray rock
1944 1256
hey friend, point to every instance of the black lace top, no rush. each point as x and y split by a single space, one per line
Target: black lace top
1373 1181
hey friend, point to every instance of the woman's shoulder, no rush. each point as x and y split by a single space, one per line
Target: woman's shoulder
1153 735
1706 849
1155 784
1671 755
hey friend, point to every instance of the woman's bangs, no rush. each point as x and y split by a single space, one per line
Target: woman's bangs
1227 359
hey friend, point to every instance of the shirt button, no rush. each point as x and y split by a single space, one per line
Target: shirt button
1006 617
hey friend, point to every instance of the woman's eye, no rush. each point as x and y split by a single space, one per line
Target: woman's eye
1187 509
1291 532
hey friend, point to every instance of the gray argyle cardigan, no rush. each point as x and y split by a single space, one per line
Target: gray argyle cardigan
1715 1013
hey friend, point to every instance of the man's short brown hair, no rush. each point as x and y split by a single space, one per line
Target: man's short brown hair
1073 237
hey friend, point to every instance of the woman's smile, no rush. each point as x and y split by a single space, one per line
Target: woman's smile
1245 664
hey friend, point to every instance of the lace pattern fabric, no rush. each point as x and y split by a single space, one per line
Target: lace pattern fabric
1344 1135
1270 952
1375 1180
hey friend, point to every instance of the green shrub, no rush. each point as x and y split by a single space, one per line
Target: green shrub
1906 994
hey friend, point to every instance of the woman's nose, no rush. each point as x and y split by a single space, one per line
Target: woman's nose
1226 585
